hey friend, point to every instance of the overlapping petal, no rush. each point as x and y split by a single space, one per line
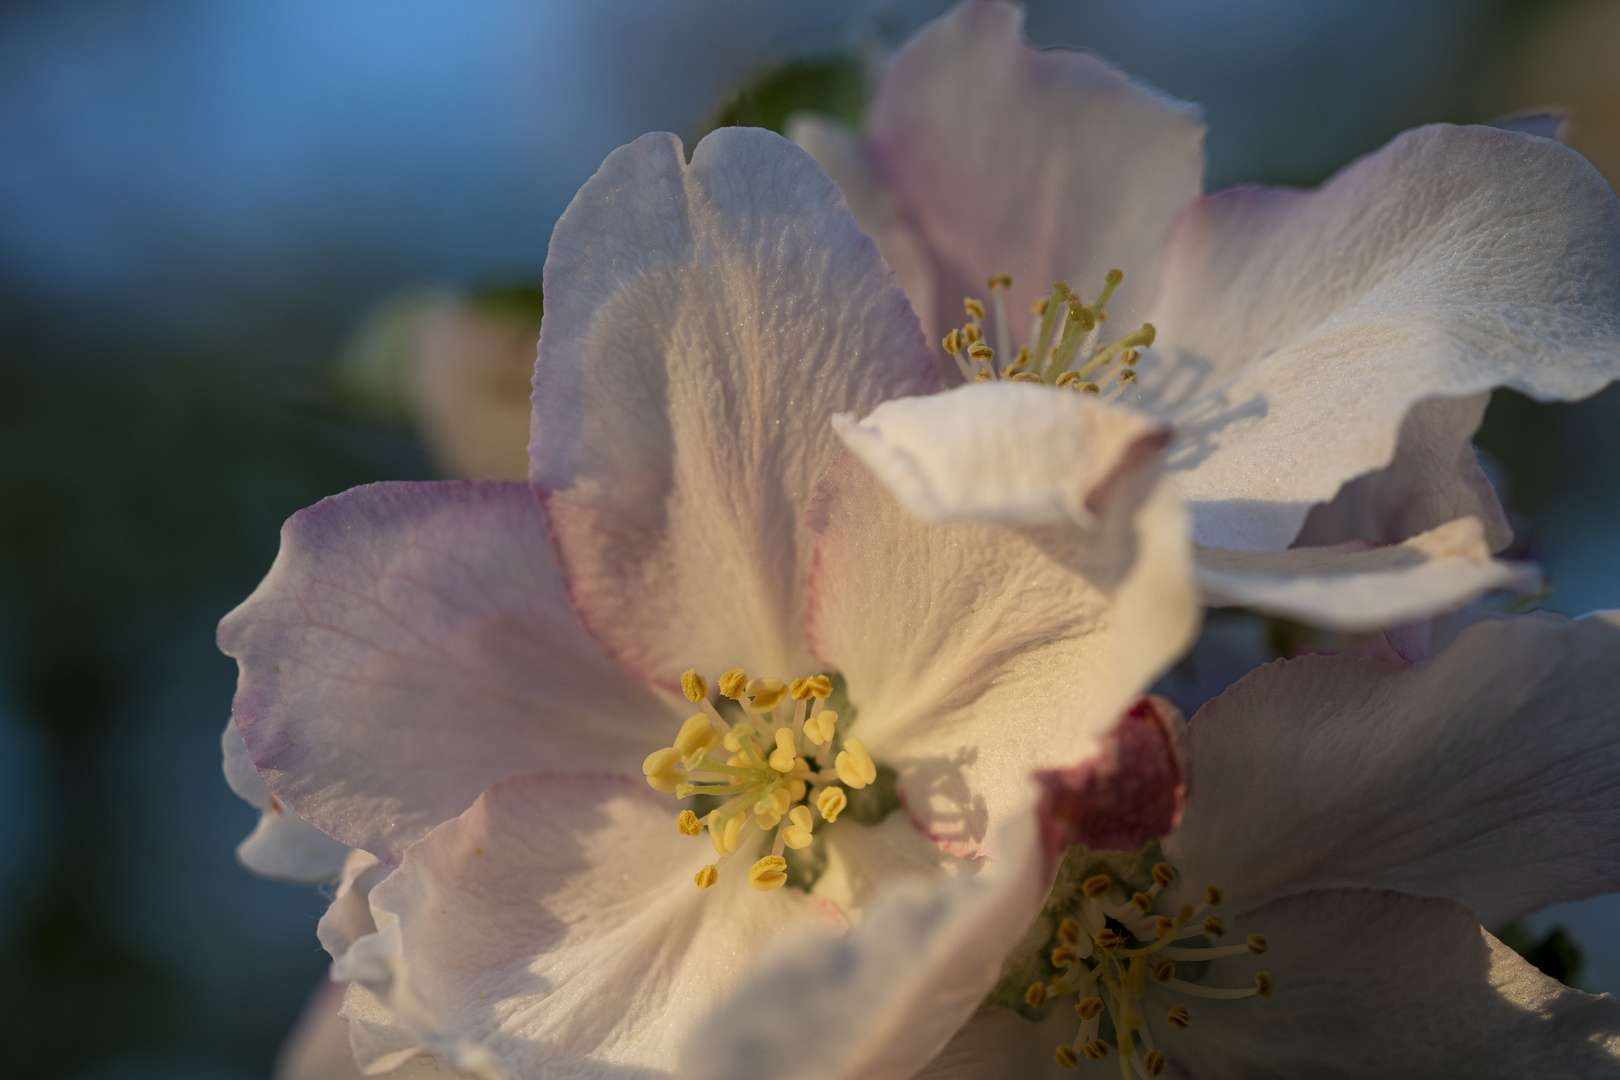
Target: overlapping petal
977 654
1042 164
1485 775
282 845
410 646
881 1000
555 928
703 323
1355 586
1296 329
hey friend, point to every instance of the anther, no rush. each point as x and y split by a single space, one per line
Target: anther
1095 1050
1038 306
1142 902
1025 376
1114 277
1257 944
1106 938
1066 1056
733 682
660 768
785 754
1090 388
1262 984
1035 994
1000 281
952 341
973 307
1153 1061
1179 1017
1021 358
971 334
1163 875
706 876
724 838
768 873
1086 1008
1127 375
694 686
1212 895
1063 956
1130 356
1095 885
1069 931
1215 926
1084 316
854 765
820 727
694 735
1068 378
983 376
688 823
1163 969
1164 924
798 835
981 351
766 693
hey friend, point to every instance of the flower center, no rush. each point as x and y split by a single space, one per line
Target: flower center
1119 956
1064 348
767 770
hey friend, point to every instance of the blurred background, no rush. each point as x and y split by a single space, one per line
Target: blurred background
235 237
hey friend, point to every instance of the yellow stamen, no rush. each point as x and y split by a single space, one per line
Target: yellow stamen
981 351
1153 1061
766 693
724 839
733 682
1069 932
783 757
694 686
1066 1057
1026 376
688 823
1086 1008
1000 281
1179 1017
820 727
1038 306
1163 875
706 876
1089 388
1257 944
798 835
1095 885
831 803
1095 1050
1212 895
1262 984
854 765
1035 995
971 334
768 873
1215 926
1142 902
695 734
1063 956
983 376
973 307
660 768
1106 938
1163 970
952 342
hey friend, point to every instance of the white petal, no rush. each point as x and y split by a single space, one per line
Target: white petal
1044 164
1007 453
877 210
703 323
1354 587
555 929
282 845
977 654
348 917
883 999
1485 775
861 858
1298 328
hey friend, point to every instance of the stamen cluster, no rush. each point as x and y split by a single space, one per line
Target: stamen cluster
1118 955
1064 347
778 762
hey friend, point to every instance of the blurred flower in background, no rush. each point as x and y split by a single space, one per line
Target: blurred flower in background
200 205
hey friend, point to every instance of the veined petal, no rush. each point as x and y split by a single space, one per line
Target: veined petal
1005 453
1381 984
876 208
554 928
1044 164
1296 329
883 999
1357 587
1485 775
976 654
283 845
410 646
862 858
703 323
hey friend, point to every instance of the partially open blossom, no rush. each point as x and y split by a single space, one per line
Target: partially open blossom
1349 824
1323 357
596 735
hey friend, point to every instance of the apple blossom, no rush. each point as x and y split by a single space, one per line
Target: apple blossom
512 731
1323 357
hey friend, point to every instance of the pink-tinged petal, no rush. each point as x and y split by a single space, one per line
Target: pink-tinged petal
554 929
1434 478
411 645
883 999
1354 586
877 210
348 918
1485 775
1130 791
1044 164
1297 329
1006 453
703 324
469 387
1386 985
282 845
977 654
